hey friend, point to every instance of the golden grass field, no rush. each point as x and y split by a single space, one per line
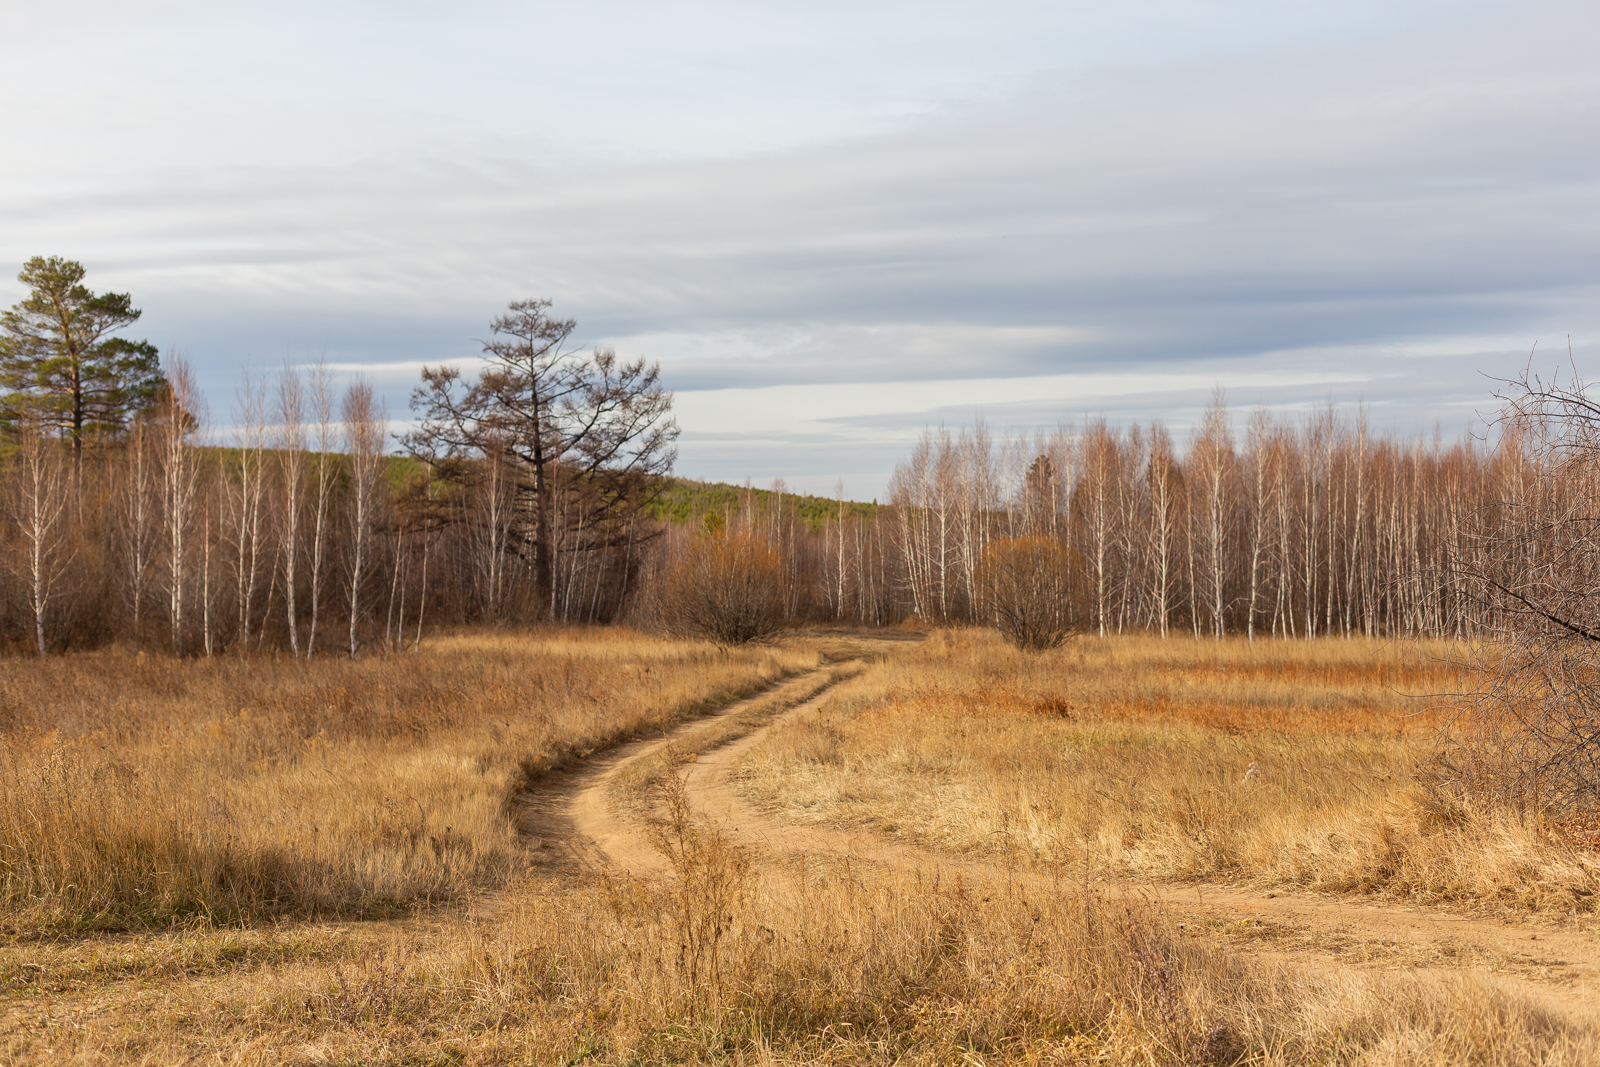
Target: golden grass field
1287 764
140 791
264 861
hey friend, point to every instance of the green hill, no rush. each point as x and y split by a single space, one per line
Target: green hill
685 500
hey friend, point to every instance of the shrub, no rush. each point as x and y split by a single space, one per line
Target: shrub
727 586
1525 736
1031 594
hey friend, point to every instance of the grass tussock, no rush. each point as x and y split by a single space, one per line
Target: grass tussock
1285 763
137 792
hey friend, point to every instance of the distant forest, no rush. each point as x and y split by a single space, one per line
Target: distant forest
1299 530
542 491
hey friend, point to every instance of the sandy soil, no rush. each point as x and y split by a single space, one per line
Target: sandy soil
1560 965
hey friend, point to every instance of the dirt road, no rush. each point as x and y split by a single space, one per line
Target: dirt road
1559 966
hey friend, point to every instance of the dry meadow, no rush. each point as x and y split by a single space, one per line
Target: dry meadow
267 861
1289 765
140 791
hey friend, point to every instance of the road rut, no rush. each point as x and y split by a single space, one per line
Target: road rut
1558 966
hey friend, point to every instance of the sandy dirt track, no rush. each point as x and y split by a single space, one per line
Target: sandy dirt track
575 821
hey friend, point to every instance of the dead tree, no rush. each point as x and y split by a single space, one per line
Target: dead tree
557 417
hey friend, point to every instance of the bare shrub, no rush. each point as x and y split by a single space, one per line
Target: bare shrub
1527 736
1032 595
727 586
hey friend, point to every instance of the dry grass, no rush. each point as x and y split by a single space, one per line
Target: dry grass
727 962
636 787
137 791
731 958
1285 763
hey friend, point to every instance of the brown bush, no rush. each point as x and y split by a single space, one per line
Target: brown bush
1031 593
727 586
1524 736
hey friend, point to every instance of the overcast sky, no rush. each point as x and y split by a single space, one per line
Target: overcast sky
834 223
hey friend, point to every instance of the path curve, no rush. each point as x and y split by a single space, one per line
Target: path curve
568 817
1559 967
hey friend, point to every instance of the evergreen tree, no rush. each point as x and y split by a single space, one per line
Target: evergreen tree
58 362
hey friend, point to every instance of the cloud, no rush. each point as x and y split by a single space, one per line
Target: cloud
1393 210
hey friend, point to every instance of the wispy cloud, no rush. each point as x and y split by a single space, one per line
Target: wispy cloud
1369 202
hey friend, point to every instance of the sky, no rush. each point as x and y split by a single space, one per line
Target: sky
834 224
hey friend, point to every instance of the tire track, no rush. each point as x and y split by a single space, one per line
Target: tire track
1559 967
567 818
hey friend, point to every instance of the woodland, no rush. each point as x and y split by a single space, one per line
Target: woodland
542 491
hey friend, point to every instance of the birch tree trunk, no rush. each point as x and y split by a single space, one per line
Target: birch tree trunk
292 484
363 429
322 401
140 527
40 492
248 507
180 418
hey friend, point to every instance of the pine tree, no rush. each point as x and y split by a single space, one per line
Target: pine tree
58 362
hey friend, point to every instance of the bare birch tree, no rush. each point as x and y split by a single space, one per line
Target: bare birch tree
1163 485
209 505
1095 510
1262 460
322 402
247 504
179 415
140 532
292 485
39 497
363 433
1211 459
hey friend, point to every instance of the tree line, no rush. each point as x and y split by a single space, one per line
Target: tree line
1292 528
1296 528
521 494
534 491
1286 527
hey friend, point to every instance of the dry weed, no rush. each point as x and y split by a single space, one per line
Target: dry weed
827 965
729 960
